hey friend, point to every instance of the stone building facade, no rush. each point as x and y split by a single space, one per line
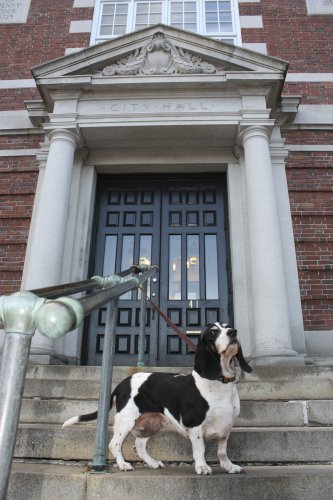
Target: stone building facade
193 135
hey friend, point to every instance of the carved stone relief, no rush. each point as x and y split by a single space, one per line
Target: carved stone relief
14 11
160 57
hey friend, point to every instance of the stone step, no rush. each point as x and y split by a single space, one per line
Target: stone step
253 413
80 382
69 372
44 481
247 445
248 390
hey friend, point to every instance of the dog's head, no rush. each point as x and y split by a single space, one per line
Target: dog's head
216 352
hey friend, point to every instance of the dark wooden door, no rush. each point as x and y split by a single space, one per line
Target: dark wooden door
179 224
194 264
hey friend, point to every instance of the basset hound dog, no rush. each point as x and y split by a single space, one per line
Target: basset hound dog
199 406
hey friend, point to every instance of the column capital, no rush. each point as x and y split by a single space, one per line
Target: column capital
64 134
246 131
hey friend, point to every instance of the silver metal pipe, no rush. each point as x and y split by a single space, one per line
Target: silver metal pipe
21 313
12 375
143 312
102 425
101 297
53 292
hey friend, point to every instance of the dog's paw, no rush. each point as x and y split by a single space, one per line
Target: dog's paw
204 470
156 464
125 466
233 468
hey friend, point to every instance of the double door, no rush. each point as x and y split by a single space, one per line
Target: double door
179 224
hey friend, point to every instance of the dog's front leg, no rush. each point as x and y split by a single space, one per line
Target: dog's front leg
225 463
198 446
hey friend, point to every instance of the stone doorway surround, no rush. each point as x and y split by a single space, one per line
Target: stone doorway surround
164 100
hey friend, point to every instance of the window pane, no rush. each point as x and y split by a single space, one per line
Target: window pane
190 6
141 7
190 17
145 256
192 265
225 5
122 8
108 9
156 8
109 264
175 270
106 30
210 6
142 19
145 250
225 17
154 18
177 6
226 27
177 17
191 27
107 20
121 19
211 17
119 30
212 27
127 257
211 274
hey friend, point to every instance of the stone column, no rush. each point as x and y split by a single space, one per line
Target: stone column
272 342
47 245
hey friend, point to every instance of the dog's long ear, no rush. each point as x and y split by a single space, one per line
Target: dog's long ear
241 360
206 362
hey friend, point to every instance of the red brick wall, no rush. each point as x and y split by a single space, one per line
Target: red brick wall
304 41
42 38
310 181
18 176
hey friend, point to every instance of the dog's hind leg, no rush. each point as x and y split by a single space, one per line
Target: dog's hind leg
141 451
225 463
123 424
146 426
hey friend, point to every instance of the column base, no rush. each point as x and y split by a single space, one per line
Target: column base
295 360
45 359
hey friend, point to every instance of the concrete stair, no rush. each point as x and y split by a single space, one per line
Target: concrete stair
283 437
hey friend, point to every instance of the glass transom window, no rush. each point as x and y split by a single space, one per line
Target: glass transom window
215 18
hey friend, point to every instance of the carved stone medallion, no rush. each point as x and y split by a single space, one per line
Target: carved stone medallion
159 57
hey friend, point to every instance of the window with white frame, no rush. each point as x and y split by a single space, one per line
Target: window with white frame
215 18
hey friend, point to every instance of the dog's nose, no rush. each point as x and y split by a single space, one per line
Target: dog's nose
231 332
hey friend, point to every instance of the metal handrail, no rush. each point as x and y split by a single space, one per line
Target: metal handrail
24 312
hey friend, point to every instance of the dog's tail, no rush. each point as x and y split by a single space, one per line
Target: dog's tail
85 418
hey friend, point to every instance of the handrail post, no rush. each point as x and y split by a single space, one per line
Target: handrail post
17 312
142 339
102 424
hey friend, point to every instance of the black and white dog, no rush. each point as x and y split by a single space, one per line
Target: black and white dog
199 406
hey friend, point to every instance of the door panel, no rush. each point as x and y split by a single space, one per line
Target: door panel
178 224
128 232
195 265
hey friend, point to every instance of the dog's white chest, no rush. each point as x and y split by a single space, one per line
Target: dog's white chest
224 406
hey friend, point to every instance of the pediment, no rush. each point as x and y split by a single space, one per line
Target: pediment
155 51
